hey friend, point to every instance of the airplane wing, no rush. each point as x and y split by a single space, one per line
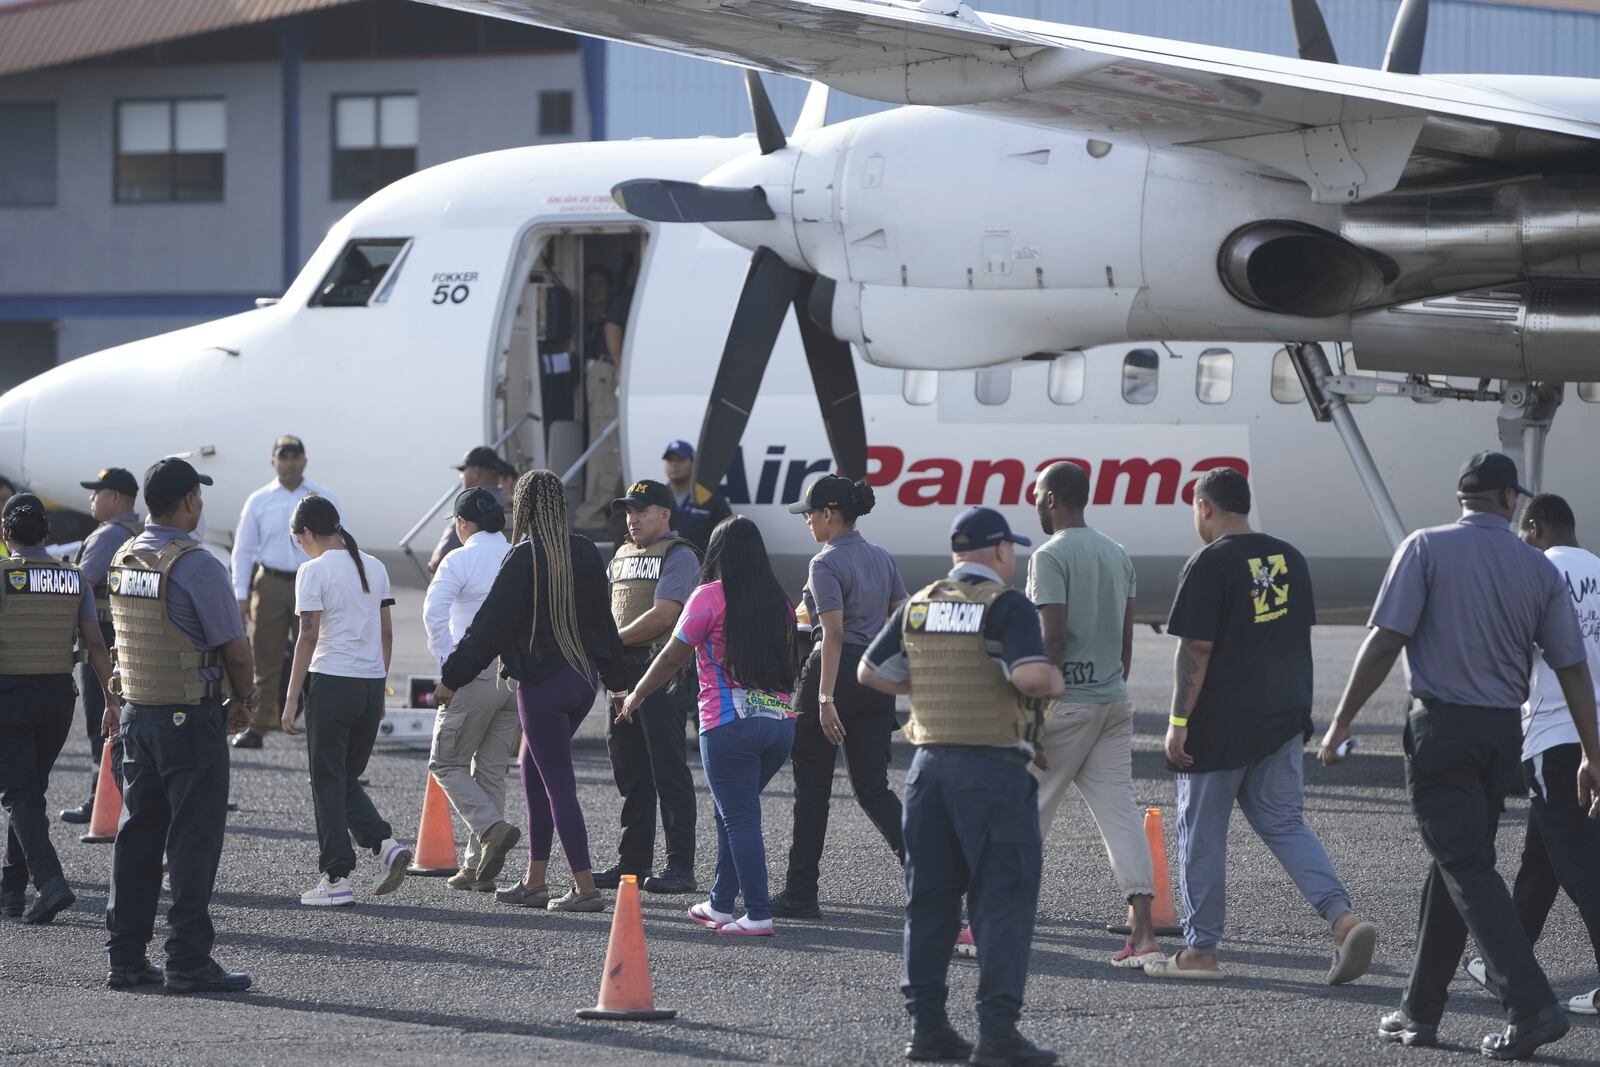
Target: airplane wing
1349 133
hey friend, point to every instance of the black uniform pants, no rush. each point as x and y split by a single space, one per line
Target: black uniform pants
94 711
1562 847
35 718
650 762
869 726
342 719
1459 763
174 800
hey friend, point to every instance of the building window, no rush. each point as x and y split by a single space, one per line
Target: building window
993 386
555 113
170 150
920 387
374 142
365 273
1066 378
1286 387
1213 379
28 164
1589 392
1141 371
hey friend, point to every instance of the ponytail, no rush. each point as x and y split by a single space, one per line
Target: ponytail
317 514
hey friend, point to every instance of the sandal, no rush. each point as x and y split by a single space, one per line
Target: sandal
1131 959
576 901
709 917
1351 959
524 896
1167 967
744 926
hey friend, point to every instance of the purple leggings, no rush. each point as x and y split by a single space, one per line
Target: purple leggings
551 711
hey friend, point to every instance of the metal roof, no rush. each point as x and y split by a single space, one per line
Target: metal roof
35 34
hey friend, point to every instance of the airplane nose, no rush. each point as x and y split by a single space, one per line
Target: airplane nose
13 425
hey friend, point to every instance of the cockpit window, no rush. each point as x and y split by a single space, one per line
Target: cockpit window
367 266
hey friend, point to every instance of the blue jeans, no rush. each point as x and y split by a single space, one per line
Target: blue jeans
740 758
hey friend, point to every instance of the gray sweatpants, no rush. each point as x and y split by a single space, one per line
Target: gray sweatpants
1271 793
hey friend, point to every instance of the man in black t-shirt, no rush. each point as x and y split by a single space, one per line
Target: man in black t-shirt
1241 715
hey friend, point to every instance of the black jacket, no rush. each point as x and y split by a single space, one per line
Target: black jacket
505 625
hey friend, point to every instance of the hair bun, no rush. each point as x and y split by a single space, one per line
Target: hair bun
863 498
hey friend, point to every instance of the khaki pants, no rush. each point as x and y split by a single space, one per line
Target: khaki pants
602 475
475 740
1091 746
271 616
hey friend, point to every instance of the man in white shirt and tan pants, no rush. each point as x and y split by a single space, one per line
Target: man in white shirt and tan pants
476 738
265 562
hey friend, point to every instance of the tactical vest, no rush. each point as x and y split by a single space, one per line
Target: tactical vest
39 602
102 597
634 574
959 694
157 662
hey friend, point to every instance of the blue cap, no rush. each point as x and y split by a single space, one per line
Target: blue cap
680 447
978 528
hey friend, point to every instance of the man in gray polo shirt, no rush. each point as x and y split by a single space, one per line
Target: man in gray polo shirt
1468 603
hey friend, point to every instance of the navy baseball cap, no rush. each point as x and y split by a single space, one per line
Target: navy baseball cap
288 443
116 479
680 448
172 479
482 456
21 502
828 491
646 494
1489 472
480 506
978 528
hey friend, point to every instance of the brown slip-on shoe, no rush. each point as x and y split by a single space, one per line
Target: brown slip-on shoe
467 878
524 896
576 901
498 841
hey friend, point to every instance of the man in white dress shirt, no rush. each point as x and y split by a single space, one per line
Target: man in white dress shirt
477 736
265 560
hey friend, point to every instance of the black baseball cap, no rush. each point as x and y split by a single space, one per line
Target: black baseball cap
288 443
828 491
18 502
169 480
680 447
978 528
482 456
115 479
480 506
646 494
1489 472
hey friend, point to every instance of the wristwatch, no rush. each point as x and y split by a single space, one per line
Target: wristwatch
824 698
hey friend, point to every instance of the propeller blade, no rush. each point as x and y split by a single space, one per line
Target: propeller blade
663 200
1311 33
1404 54
769 131
814 112
833 373
769 288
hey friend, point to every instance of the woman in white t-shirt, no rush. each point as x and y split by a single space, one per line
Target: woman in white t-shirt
341 659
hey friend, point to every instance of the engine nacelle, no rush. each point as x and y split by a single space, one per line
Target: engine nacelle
1295 268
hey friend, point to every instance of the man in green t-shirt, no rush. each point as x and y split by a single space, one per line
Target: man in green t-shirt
1083 584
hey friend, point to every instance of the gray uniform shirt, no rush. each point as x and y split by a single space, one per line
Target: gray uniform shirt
1474 601
855 576
200 599
94 558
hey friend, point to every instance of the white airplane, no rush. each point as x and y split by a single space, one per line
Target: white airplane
1098 247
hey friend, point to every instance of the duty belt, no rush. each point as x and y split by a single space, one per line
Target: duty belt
287 576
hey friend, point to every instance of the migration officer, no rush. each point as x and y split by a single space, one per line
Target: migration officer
691 520
178 630
113 492
652 575
968 652
44 606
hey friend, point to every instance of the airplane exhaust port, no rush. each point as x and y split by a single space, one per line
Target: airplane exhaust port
1292 268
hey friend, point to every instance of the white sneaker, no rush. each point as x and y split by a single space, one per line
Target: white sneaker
393 859
330 892
1477 971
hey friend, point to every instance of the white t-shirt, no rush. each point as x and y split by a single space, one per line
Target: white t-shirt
350 641
1545 719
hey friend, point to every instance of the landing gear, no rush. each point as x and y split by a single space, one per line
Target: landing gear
1527 410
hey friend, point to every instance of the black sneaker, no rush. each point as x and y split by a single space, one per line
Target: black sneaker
938 1044
248 739
611 877
13 903
49 903
1398 1026
142 973
785 906
1519 1041
671 881
1011 1051
209 979
80 814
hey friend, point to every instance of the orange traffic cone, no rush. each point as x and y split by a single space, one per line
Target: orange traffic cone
625 991
1162 916
436 837
107 803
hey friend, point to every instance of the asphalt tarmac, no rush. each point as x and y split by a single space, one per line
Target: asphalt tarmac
429 975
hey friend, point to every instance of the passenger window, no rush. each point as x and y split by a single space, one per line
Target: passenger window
920 387
1286 387
993 386
1066 378
1589 392
1140 375
366 266
1213 381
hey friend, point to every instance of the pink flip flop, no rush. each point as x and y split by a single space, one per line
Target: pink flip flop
737 928
701 913
1131 958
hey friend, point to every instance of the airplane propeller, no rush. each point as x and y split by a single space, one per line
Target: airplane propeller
771 288
1402 56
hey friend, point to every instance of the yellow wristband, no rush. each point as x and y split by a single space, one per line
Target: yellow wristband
1175 721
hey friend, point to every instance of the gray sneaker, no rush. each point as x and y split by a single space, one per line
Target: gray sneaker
576 901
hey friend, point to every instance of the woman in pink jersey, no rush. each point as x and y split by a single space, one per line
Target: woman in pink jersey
739 626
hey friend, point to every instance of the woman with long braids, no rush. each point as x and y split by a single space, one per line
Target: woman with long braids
548 619
739 626
341 661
